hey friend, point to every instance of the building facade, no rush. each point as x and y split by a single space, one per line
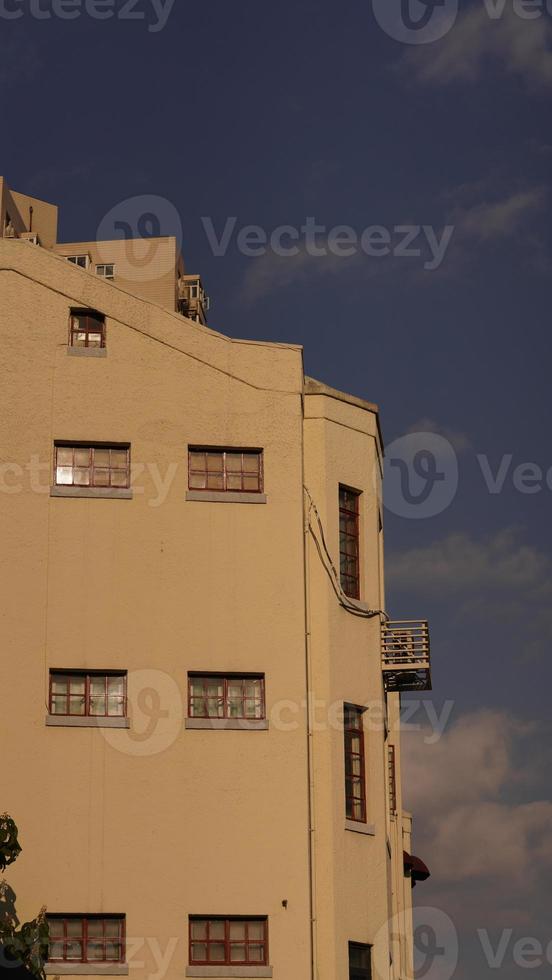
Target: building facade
200 685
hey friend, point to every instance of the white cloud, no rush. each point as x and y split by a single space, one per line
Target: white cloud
498 219
468 824
521 47
462 564
458 440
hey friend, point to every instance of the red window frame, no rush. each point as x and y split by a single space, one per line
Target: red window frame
349 541
227 941
224 701
118 477
87 676
85 939
355 759
87 322
225 479
392 779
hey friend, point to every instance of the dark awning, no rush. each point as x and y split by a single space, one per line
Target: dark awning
415 867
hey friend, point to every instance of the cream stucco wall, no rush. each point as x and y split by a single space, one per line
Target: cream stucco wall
160 821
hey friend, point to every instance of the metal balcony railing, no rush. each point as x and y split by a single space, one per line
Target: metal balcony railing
406 661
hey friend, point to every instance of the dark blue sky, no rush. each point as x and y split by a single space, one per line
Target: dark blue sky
271 114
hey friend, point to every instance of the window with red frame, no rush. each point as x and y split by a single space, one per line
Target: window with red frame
86 939
228 942
349 541
355 779
226 697
94 694
228 470
96 465
392 779
86 329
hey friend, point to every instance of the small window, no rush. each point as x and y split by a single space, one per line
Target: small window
82 261
106 271
228 942
349 541
228 696
392 779
91 466
226 470
360 962
86 939
86 329
355 779
94 694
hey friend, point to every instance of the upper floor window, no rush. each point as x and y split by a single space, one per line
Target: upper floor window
106 270
83 261
355 777
96 465
86 329
226 469
226 697
360 961
228 942
94 694
86 939
349 541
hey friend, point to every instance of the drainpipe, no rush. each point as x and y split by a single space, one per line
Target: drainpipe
310 747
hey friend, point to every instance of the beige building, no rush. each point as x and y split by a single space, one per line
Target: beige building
199 681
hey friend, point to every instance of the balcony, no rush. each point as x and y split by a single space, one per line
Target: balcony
193 301
406 662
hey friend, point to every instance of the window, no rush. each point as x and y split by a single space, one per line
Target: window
106 271
93 694
86 329
392 779
226 470
228 941
226 697
360 962
81 260
92 466
355 783
86 939
349 540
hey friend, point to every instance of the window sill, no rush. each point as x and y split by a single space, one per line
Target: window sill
360 828
66 721
228 724
87 969
229 971
87 351
226 497
106 493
